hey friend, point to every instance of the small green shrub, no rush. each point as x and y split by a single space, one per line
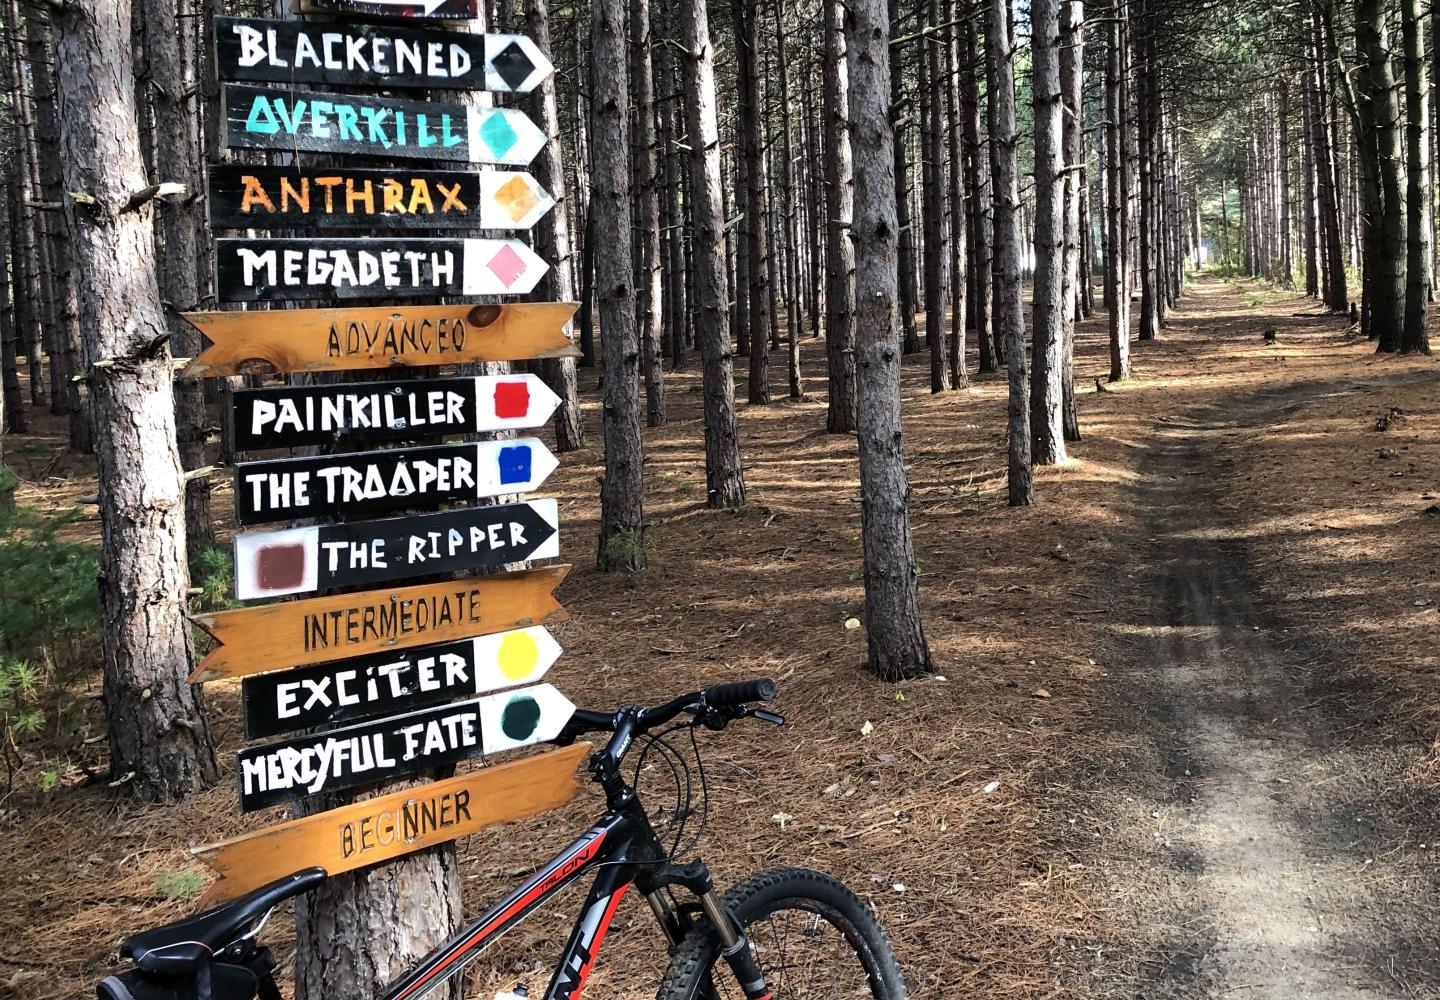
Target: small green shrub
214 575
622 549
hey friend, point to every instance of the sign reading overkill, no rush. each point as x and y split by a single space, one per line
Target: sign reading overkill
245 197
315 340
292 121
378 55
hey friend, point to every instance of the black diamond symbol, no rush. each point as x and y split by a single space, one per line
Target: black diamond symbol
513 65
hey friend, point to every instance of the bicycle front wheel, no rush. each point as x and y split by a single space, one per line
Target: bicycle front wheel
812 937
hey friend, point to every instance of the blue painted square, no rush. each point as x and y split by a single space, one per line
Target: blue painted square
515 464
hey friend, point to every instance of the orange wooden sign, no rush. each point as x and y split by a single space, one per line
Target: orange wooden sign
387 827
299 633
316 340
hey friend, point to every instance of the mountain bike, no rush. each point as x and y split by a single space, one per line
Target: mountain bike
786 934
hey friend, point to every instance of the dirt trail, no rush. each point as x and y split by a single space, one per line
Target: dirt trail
1277 821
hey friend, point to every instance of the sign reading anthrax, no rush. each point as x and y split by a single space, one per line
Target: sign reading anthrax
369 686
246 197
304 121
275 270
405 744
289 488
376 55
312 340
299 633
295 416
324 557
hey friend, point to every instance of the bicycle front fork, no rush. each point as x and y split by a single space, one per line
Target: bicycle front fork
734 945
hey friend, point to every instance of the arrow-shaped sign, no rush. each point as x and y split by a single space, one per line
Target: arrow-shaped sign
389 826
375 55
354 483
306 121
339 413
366 687
519 718
323 557
438 9
313 340
274 270
299 633
246 197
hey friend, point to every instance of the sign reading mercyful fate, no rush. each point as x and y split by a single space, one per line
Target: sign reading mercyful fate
368 686
377 55
324 557
292 121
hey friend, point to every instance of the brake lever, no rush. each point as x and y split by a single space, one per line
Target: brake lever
764 716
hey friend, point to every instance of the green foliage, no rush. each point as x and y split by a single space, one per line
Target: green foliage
214 576
622 549
179 886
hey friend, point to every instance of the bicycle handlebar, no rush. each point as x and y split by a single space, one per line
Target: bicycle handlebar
718 696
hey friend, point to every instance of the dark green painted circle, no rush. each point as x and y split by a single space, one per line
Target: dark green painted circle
521 718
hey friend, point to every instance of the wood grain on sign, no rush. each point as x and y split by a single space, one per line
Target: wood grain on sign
387 827
364 754
354 483
325 557
375 55
293 270
366 687
314 340
370 412
440 10
290 121
299 633
246 197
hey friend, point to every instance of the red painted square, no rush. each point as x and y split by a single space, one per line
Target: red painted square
507 266
280 567
512 400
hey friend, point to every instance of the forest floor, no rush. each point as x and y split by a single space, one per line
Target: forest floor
1180 742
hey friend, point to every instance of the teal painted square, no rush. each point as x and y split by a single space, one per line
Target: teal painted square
498 134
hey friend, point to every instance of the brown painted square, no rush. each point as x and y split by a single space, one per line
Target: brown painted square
280 567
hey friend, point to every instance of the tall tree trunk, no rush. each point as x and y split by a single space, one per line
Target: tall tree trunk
757 249
905 259
650 301
955 177
1072 78
790 216
1309 160
1117 269
1009 300
12 404
159 738
1145 125
622 509
933 210
724 480
1382 142
1417 118
980 204
839 247
1047 429
896 635
553 235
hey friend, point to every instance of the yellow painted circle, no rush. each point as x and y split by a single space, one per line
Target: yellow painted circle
519 655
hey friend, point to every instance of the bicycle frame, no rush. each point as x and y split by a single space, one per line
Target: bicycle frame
620 847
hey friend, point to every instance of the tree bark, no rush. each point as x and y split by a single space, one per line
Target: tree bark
897 645
1417 118
159 739
955 177
1072 78
757 246
905 258
980 205
1387 263
650 301
1117 268
839 213
11 401
1047 429
724 480
933 207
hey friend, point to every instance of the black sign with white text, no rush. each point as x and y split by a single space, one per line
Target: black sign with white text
295 416
358 755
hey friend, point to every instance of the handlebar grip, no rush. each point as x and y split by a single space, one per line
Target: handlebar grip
732 695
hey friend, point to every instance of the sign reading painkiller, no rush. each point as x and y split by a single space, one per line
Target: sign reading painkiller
434 667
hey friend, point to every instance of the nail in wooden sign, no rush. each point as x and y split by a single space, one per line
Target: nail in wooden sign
322 629
245 197
373 752
296 416
375 55
389 826
313 340
281 270
366 687
291 121
436 9
324 557
291 488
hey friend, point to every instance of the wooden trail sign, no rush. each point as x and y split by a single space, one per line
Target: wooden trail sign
287 701
299 633
313 340
291 270
245 197
354 483
303 121
387 827
373 752
297 416
451 10
375 55
324 557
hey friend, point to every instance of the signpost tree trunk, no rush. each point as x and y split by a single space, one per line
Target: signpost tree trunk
159 739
